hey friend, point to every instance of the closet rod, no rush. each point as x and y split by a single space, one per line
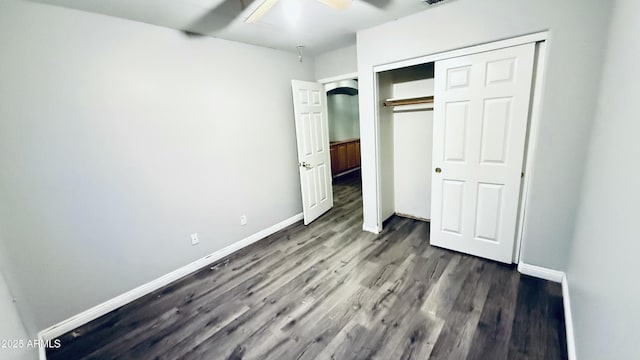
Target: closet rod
409 101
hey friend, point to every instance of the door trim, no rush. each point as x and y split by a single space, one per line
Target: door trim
539 68
469 50
542 36
348 76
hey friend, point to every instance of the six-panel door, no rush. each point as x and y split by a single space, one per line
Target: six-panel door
480 124
312 136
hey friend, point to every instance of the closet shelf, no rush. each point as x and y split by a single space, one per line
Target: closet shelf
409 101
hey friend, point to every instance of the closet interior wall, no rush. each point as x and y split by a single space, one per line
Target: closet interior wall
406 141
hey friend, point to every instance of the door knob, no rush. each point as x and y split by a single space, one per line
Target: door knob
438 170
305 165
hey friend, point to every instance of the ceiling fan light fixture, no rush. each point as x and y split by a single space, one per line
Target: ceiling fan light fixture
337 4
259 12
266 5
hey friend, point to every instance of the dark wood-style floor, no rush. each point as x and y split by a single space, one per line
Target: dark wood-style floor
331 291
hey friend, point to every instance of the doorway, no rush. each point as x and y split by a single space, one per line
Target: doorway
344 127
344 137
328 141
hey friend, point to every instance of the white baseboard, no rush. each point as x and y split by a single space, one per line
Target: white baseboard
42 354
540 272
559 277
95 312
568 320
346 172
413 217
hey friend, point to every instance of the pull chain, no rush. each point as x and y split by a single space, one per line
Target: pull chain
300 48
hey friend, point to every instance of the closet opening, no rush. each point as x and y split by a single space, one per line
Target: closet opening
466 167
405 112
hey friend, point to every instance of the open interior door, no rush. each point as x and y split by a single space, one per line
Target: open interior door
312 135
481 110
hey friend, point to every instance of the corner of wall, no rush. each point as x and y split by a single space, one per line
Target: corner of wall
12 326
12 291
568 319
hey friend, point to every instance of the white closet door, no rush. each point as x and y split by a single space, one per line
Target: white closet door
481 110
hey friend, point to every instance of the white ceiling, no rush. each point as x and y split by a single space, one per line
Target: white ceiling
289 23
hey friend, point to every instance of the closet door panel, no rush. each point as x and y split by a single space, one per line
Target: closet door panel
481 110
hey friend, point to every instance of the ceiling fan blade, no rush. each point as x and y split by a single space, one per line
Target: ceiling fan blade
337 4
259 12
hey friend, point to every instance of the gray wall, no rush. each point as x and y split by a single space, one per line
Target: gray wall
336 62
119 139
603 266
343 117
11 327
574 60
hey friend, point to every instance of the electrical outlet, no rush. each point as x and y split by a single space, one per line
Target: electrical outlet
194 239
243 220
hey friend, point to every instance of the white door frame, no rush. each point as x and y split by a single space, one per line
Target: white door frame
325 81
539 71
534 115
349 76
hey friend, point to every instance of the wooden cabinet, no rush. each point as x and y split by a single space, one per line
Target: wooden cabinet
345 155
351 155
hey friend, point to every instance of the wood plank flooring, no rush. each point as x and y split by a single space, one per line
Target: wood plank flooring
331 291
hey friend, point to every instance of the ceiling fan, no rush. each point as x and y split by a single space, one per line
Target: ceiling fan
226 11
266 5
